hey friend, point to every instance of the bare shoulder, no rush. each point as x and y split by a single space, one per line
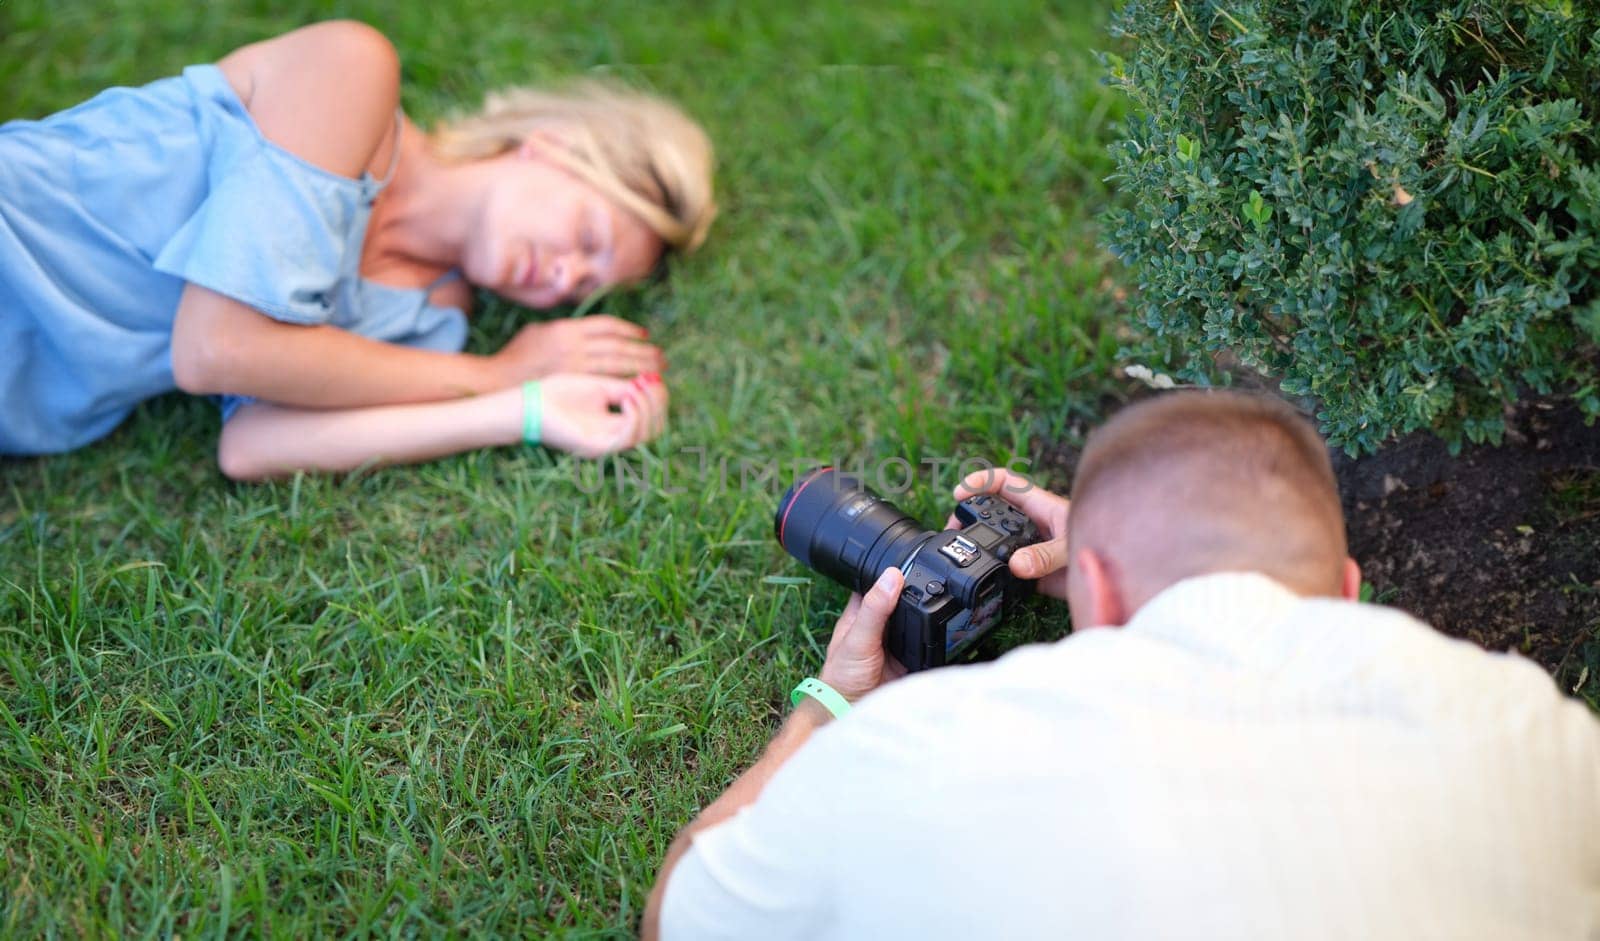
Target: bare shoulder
325 92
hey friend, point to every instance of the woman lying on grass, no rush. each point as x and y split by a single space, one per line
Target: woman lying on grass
272 230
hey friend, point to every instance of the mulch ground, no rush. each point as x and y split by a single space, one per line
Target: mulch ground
1496 545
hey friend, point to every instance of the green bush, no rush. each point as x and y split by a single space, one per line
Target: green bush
1391 207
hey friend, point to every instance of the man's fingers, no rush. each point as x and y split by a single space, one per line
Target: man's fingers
866 631
1047 510
893 669
1041 559
841 627
1039 504
998 480
988 480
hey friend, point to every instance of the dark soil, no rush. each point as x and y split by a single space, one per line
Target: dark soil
1497 545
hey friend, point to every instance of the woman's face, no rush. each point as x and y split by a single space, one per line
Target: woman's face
545 237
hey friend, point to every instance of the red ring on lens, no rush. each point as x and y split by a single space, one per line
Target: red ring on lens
796 499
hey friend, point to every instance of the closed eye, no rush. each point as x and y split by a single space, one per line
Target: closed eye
589 239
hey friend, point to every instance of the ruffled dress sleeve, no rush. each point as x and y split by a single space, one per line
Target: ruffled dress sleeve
274 231
285 237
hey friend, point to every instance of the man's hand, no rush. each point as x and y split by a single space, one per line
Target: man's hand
1045 561
857 664
599 344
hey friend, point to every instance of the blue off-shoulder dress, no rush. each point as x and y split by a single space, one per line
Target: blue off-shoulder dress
109 208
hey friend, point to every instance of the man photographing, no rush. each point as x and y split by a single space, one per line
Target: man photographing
1228 746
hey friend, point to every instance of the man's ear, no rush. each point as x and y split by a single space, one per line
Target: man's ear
1107 603
1351 589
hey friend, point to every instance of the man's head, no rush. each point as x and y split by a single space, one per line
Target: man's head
1197 482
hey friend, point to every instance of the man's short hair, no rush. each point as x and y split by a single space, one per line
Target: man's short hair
1194 482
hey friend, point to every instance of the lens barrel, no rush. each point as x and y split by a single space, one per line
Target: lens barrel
831 522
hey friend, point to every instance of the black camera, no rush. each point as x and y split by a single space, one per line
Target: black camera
956 580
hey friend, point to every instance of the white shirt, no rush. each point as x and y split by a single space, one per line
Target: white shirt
1235 762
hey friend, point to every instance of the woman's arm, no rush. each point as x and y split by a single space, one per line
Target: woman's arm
327 93
262 441
220 345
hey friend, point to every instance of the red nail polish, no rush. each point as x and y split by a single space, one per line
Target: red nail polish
652 377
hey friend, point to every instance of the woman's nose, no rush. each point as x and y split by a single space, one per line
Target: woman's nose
561 275
570 272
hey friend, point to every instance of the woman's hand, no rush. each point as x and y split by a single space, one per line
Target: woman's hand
598 344
264 440
578 414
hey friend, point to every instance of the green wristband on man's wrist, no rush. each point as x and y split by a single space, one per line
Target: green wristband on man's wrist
532 412
830 698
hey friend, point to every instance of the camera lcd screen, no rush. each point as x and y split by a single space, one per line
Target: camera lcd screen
966 628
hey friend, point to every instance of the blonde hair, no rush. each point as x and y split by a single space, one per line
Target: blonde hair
638 149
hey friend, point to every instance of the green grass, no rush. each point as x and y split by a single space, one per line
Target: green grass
473 696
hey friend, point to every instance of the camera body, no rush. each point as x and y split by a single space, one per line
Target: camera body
957 581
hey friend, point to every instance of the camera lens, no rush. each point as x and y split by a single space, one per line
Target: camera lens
833 523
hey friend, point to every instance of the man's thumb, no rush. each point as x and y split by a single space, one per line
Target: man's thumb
1039 560
885 594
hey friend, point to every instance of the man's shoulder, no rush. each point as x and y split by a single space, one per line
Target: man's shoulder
1372 630
1345 655
1389 659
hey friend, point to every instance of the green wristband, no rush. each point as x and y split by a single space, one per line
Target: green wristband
823 693
532 412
